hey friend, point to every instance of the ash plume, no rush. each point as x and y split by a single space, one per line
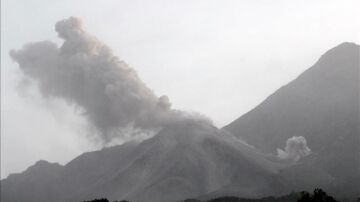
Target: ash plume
84 72
296 148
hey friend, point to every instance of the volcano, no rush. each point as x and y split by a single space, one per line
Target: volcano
182 161
323 106
191 158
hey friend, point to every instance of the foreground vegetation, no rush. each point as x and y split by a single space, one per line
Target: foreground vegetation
318 195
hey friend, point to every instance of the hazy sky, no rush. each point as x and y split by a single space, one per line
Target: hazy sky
219 58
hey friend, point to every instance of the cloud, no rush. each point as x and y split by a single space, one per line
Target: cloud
296 148
84 72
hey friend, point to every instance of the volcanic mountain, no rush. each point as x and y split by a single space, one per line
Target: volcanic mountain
323 106
192 158
182 161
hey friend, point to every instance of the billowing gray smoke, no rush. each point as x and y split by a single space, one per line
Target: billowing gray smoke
296 148
85 72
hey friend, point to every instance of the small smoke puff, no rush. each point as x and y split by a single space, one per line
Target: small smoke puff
69 28
164 102
85 72
296 148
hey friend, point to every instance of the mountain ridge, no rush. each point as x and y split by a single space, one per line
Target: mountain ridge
322 104
182 161
192 158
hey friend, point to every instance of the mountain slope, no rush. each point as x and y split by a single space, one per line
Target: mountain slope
192 158
322 105
30 185
184 160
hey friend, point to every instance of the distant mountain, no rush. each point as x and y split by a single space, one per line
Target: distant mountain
53 182
32 183
182 161
322 105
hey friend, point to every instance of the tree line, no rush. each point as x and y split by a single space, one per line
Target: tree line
318 195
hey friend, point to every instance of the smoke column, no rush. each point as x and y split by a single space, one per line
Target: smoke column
84 72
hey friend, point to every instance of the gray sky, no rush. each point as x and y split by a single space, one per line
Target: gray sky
219 58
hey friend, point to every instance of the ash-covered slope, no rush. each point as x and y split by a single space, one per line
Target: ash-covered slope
322 105
184 160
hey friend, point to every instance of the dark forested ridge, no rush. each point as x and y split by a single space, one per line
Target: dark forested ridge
104 200
318 195
293 197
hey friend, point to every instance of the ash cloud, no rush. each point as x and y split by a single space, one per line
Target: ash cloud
296 148
84 72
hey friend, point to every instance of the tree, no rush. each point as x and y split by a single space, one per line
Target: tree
98 200
318 196
305 197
